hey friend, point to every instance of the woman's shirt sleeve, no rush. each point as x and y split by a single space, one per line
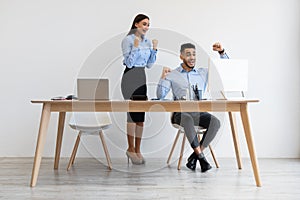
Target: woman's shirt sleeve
130 53
152 58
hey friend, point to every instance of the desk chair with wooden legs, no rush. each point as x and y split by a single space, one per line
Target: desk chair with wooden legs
199 131
90 123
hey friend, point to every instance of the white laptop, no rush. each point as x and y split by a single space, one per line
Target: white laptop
228 75
93 89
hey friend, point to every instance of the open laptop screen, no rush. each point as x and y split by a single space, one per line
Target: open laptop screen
228 75
92 89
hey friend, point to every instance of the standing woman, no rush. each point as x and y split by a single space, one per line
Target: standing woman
138 54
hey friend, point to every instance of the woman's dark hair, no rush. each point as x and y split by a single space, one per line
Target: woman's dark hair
137 19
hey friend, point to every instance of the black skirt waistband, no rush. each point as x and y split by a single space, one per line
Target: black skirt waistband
135 68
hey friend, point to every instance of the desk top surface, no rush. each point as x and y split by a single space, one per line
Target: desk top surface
146 102
144 106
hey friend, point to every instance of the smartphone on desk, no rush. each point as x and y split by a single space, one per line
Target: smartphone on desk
157 99
58 98
139 97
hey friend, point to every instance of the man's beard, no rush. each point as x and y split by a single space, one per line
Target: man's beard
188 65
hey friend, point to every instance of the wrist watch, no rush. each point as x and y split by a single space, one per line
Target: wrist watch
221 52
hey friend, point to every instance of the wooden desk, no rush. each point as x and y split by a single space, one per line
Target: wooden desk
64 106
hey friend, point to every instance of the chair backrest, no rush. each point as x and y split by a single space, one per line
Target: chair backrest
90 119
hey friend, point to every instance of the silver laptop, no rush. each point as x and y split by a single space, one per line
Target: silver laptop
92 89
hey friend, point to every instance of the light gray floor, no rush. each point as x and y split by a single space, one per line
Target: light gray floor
90 179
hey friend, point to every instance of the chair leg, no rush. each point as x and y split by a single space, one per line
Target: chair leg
72 158
199 137
76 146
213 155
181 152
173 147
105 149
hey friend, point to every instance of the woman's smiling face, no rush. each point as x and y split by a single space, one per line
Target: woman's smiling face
142 26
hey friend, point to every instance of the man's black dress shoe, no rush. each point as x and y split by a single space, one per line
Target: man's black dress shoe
192 161
205 166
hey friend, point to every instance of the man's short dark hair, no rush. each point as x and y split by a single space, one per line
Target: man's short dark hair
186 46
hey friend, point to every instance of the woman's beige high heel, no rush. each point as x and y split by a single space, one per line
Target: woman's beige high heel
143 161
134 159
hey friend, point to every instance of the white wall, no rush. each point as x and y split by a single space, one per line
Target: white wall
43 45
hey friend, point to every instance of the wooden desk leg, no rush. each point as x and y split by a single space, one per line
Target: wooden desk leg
45 118
235 139
60 131
249 139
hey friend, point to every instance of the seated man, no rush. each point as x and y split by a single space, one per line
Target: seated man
181 80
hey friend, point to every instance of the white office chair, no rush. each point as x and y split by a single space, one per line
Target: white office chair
199 131
90 123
